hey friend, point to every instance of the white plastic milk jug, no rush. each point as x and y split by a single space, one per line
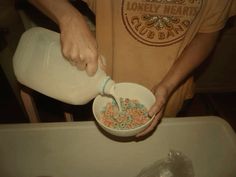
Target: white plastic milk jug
39 64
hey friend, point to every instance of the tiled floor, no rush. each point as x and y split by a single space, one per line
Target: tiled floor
218 104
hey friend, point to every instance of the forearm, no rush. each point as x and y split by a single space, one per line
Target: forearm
78 43
60 11
191 58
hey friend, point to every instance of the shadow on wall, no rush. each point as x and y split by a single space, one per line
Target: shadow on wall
217 73
11 30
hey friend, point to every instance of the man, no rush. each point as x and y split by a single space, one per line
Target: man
156 43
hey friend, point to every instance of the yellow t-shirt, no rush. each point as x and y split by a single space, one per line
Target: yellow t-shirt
141 39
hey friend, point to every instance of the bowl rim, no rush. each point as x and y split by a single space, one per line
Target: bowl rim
124 130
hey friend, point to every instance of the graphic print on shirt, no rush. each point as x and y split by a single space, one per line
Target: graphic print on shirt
159 22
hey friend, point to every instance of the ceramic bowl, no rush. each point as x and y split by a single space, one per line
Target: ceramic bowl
125 90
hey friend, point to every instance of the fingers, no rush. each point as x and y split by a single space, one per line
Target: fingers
91 63
157 107
91 67
153 125
156 110
80 64
87 61
79 45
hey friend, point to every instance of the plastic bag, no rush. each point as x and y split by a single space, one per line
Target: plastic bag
175 165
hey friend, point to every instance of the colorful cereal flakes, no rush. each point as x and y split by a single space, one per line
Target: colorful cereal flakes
132 115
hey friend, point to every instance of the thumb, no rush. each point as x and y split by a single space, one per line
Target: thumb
102 62
153 110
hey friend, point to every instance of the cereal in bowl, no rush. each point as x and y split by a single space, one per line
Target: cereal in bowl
132 114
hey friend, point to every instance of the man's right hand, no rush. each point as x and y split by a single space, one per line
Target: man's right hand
78 43
79 46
